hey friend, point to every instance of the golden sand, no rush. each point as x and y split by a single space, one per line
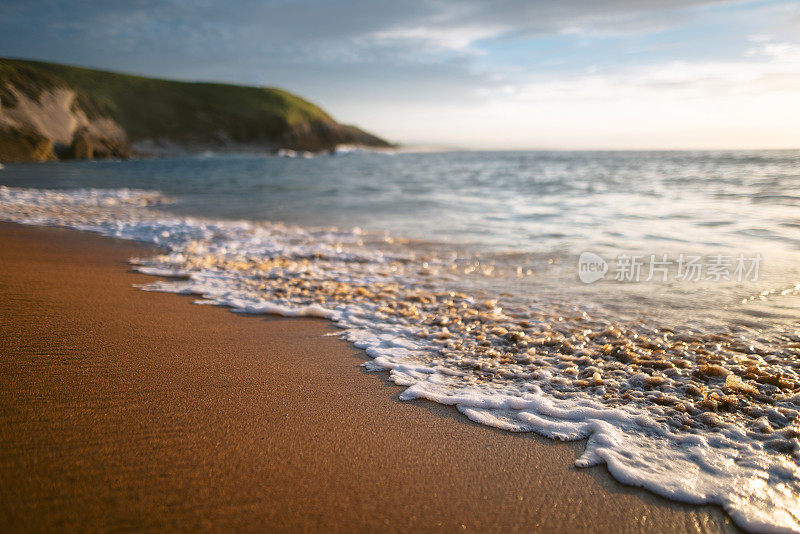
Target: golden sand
129 410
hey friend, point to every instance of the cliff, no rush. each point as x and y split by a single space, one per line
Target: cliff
50 111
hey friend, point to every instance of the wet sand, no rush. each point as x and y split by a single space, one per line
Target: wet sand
121 409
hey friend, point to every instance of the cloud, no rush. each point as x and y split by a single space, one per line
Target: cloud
426 69
766 69
348 29
434 40
278 41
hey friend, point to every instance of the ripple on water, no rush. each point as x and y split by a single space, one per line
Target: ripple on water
695 416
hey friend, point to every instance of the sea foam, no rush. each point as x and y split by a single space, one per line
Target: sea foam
692 417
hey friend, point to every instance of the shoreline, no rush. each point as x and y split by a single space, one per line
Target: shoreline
128 409
231 151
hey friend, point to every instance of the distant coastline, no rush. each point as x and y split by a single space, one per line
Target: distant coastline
54 112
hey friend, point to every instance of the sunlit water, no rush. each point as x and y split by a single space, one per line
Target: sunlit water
459 273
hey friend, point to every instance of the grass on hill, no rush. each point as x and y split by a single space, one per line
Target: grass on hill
150 108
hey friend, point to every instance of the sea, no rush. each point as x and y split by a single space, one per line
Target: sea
646 302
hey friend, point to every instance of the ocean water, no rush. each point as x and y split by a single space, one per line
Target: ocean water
644 301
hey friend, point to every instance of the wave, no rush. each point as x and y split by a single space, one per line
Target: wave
700 418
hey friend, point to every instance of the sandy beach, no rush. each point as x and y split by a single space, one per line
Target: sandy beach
127 410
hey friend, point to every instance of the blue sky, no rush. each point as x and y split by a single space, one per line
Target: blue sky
468 73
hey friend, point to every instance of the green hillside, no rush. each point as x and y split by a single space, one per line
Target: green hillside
190 114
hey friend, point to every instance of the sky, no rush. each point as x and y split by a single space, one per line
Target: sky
567 74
